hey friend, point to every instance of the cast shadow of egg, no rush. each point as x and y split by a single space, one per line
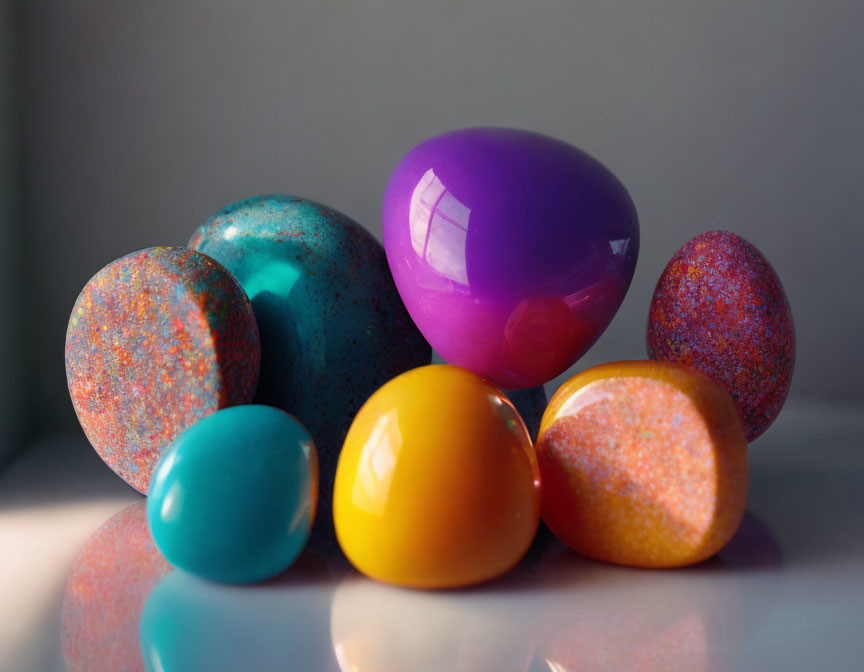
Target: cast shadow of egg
753 547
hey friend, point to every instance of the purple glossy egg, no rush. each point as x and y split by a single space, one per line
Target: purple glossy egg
511 250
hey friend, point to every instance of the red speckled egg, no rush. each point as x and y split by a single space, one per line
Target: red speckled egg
720 307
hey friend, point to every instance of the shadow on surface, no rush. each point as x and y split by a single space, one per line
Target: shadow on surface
60 469
805 484
753 548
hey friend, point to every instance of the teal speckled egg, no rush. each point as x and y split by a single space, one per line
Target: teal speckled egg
233 498
333 328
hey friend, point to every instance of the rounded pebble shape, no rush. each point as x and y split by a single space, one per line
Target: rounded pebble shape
234 497
511 250
720 308
643 464
437 484
107 586
333 328
157 340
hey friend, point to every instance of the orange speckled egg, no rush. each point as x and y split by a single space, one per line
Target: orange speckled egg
643 464
437 484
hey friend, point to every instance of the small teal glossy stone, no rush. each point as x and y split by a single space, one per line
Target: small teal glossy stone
333 327
233 498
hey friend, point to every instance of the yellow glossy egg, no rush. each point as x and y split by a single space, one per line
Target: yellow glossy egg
437 485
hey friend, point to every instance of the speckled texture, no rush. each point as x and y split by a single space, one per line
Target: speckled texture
720 307
105 592
157 340
333 328
643 464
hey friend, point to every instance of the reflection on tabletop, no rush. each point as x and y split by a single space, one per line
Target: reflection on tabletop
126 609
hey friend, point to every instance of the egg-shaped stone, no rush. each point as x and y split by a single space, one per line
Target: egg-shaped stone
511 250
437 484
643 464
333 328
157 340
234 497
720 308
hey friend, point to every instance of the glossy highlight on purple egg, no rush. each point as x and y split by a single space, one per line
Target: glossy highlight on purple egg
511 250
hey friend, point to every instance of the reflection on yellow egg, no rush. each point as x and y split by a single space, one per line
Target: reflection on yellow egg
437 484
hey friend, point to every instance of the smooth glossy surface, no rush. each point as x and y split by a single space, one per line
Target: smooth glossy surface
511 250
188 625
529 402
333 328
157 340
644 464
233 499
784 594
375 627
437 484
720 308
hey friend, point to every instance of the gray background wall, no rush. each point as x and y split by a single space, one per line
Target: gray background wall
139 119
10 323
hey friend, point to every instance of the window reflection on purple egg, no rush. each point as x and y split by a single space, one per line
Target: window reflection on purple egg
511 250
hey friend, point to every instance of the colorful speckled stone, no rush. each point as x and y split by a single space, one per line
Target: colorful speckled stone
333 328
234 497
106 589
644 464
720 307
157 340
511 250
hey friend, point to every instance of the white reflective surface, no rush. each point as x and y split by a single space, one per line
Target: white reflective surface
785 594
